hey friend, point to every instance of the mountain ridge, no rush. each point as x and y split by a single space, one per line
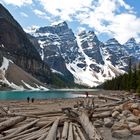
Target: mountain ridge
90 61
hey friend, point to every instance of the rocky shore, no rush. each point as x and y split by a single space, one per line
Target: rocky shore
110 116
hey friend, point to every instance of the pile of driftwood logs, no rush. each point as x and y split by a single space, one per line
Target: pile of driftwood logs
121 116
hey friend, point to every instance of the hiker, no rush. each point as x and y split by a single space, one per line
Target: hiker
86 94
93 104
28 99
32 100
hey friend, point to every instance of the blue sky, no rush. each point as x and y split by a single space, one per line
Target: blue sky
108 18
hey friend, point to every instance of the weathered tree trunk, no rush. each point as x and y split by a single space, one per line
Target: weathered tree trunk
11 122
80 133
33 134
91 131
102 114
70 134
103 109
109 97
114 103
43 137
65 131
53 131
76 136
20 129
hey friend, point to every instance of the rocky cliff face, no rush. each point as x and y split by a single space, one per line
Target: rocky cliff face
58 47
116 54
15 45
132 48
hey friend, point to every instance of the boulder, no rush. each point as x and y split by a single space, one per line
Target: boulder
135 106
136 130
127 106
125 133
108 122
115 114
132 124
121 117
118 108
126 113
119 125
136 112
133 118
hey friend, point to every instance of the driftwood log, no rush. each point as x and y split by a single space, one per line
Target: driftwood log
102 114
11 122
53 130
109 97
65 131
91 131
70 134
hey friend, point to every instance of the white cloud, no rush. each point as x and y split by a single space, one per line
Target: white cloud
65 9
17 2
125 26
105 16
41 14
24 14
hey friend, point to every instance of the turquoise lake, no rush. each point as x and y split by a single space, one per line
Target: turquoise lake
51 94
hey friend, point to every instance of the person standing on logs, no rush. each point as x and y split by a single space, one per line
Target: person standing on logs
86 94
32 100
28 99
93 104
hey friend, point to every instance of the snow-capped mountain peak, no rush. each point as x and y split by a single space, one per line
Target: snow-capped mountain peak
132 48
112 41
131 40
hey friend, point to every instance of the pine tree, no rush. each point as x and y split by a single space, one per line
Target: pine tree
134 79
138 79
130 75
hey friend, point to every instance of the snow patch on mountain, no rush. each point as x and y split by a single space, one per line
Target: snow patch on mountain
87 76
3 69
58 72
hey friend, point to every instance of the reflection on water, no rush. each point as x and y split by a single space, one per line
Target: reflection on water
22 95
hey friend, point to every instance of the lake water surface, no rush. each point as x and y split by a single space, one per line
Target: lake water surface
22 95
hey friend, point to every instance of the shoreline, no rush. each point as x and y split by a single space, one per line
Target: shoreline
50 95
49 106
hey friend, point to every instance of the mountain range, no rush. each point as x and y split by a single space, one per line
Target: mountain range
55 54
83 56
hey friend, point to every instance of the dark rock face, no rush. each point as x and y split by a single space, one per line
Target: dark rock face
91 46
132 48
116 54
15 45
58 47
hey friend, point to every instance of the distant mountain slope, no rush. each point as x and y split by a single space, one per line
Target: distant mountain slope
13 77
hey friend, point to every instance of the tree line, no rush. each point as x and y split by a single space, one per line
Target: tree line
129 81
